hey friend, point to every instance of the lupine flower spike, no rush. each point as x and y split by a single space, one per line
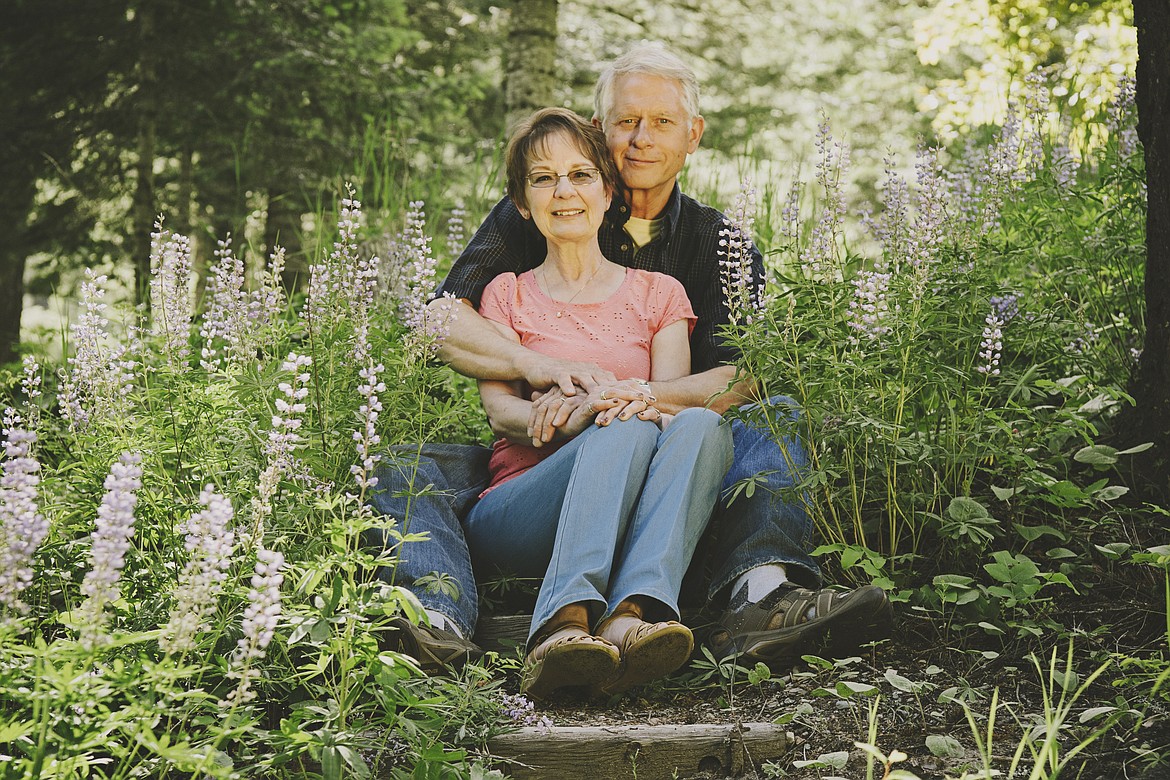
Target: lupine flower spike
22 527
209 543
261 617
111 542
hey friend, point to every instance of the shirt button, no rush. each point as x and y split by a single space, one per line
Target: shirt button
625 247
623 209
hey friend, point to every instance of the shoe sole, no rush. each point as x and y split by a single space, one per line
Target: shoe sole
784 646
651 658
567 666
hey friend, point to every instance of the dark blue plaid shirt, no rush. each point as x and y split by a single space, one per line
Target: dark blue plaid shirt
687 249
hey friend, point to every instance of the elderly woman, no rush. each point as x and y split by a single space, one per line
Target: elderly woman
609 513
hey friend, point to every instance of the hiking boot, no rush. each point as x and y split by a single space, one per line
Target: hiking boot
776 630
435 649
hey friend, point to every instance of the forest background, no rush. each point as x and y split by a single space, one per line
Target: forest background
968 415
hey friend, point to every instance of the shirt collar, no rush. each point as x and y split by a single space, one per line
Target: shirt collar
619 212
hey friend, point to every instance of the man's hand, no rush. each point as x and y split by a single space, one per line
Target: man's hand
569 376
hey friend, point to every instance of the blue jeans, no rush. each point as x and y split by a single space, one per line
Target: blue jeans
615 513
766 527
772 525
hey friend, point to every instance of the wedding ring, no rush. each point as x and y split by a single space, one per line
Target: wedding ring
589 408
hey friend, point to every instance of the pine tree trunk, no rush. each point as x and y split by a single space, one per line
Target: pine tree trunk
1152 394
16 200
530 62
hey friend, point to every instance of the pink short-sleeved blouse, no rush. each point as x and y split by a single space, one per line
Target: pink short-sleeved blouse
614 333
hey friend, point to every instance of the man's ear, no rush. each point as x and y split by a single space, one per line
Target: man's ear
698 124
596 122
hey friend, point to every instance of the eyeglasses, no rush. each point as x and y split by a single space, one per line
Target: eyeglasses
578 178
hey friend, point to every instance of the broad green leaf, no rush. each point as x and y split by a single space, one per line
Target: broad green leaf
1111 493
964 509
944 746
1099 455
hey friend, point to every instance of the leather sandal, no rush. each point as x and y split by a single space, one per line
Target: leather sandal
777 630
649 651
561 659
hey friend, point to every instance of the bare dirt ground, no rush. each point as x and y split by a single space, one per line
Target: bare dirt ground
910 691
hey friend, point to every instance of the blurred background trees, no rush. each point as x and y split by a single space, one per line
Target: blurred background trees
228 116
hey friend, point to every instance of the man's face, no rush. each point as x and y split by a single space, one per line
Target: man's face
650 133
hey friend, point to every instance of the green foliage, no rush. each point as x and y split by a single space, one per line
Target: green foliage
326 697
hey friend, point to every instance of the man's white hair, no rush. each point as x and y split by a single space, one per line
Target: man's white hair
653 59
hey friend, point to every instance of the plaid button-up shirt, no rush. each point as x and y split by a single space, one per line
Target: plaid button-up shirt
687 249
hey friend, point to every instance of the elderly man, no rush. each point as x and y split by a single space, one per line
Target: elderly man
647 104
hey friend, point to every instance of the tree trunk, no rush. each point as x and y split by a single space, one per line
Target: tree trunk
530 63
16 202
144 207
1152 393
11 302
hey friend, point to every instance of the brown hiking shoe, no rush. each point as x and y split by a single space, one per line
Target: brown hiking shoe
435 649
777 630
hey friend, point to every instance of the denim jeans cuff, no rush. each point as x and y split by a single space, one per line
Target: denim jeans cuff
802 571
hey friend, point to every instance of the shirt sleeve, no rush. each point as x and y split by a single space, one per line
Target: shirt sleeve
505 242
496 303
670 303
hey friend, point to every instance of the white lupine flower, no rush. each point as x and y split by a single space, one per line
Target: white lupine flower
22 527
421 264
820 256
869 310
283 439
991 348
110 543
210 543
455 235
261 617
100 376
225 328
741 290
170 292
341 279
366 436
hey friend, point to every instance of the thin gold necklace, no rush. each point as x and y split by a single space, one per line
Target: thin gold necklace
548 288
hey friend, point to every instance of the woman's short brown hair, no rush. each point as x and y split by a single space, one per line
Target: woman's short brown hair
531 134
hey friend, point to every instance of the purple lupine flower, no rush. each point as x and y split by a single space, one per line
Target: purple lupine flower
991 348
741 291
519 709
111 541
790 214
1122 117
209 544
929 227
820 256
1005 307
891 229
261 618
170 292
22 527
869 310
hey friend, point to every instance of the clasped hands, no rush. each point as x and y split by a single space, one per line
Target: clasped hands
553 411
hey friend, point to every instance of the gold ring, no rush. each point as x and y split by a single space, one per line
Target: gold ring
590 408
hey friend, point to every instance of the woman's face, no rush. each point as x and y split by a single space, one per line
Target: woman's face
565 212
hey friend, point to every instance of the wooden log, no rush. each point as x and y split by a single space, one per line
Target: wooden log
640 752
